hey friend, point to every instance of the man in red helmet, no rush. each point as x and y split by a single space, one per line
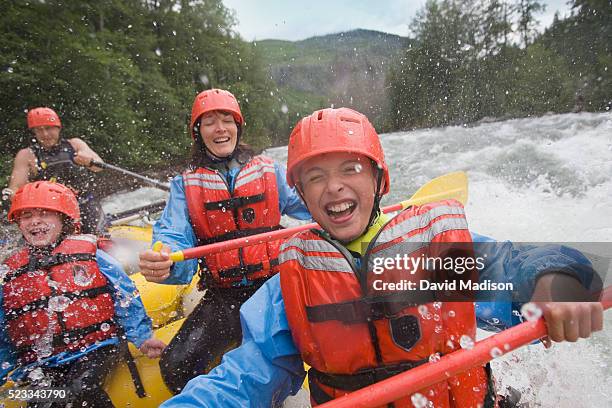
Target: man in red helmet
65 304
324 308
51 157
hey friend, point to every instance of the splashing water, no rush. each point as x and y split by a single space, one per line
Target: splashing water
82 277
531 312
419 400
466 342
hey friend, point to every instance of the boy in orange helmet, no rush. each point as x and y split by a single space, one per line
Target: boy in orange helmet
324 307
65 304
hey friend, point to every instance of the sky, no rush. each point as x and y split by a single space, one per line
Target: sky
288 20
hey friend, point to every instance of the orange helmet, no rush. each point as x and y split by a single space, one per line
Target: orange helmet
48 196
43 117
334 130
214 99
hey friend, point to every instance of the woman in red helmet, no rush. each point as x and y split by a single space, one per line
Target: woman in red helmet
228 192
65 304
324 308
54 158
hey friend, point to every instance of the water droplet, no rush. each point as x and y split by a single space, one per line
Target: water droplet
58 303
358 168
3 271
451 313
434 358
438 329
158 52
423 310
437 305
6 365
82 276
350 132
36 374
531 312
284 108
466 342
496 352
419 400
506 347
204 79
9 70
105 327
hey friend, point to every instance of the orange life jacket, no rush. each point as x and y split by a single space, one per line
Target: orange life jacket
218 215
352 335
60 302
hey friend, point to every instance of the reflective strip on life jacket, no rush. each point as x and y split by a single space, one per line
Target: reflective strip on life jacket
218 215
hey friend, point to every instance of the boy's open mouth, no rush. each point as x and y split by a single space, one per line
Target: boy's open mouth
340 209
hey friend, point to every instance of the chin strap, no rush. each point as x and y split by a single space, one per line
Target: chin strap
376 205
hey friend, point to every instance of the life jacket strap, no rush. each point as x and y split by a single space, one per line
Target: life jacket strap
234 202
42 303
238 234
48 262
356 381
366 309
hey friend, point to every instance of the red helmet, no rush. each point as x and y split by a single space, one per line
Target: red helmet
48 196
334 130
43 117
214 99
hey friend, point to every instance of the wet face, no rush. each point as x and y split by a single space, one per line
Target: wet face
47 136
339 190
40 228
219 132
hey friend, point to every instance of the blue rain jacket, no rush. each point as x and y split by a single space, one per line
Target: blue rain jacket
174 227
129 314
267 367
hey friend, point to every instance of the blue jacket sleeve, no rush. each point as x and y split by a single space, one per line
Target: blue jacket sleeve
7 352
263 371
129 309
289 201
521 265
174 229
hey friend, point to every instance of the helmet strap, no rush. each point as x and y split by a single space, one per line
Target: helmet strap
378 196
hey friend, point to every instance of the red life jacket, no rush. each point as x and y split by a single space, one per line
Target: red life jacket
60 302
218 215
353 335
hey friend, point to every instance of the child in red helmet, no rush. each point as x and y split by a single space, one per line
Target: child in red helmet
324 308
66 305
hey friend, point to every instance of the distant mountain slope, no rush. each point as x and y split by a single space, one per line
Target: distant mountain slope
346 69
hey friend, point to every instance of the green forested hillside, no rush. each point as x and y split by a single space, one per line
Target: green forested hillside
344 69
122 74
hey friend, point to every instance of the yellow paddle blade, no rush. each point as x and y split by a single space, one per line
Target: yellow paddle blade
451 185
